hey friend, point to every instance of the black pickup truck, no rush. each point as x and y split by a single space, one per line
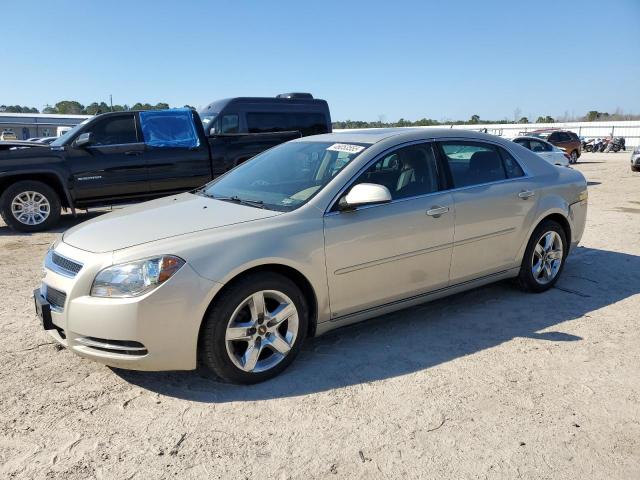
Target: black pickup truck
129 156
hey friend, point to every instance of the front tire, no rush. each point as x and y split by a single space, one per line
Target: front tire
255 329
544 258
30 206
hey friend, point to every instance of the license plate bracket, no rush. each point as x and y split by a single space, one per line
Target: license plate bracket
43 310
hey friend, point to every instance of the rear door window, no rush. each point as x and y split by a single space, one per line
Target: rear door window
473 163
511 166
539 147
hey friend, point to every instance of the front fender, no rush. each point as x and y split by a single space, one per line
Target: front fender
31 174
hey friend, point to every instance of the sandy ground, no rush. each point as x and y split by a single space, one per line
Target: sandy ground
492 383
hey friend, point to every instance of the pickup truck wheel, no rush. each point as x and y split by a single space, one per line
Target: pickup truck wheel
254 330
30 206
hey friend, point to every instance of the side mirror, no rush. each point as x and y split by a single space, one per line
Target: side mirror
212 132
83 140
365 194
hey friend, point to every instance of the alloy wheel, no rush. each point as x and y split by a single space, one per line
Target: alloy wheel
261 331
30 208
547 258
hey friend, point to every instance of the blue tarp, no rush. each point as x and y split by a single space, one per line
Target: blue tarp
173 128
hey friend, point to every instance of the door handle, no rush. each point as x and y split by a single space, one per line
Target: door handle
133 153
437 210
526 194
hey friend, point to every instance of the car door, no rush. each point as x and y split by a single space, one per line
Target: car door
494 202
383 253
111 166
174 162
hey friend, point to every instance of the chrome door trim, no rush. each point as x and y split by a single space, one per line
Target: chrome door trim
336 197
417 299
484 237
381 261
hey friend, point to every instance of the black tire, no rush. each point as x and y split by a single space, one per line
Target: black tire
212 351
574 157
635 169
526 278
30 186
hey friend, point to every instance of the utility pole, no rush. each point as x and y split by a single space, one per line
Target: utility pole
111 101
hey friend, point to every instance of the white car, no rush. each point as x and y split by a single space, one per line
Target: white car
549 152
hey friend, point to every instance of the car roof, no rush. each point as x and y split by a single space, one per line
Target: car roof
375 135
530 137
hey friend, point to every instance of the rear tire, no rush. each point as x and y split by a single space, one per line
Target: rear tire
30 206
541 267
234 327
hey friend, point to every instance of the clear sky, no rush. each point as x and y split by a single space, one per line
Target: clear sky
369 59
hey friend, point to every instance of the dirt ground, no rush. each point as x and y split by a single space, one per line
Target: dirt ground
492 383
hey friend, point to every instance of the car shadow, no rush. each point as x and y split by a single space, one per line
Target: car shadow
418 338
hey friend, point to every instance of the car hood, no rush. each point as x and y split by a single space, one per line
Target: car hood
157 220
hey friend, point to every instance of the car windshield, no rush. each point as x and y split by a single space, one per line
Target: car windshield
61 140
285 177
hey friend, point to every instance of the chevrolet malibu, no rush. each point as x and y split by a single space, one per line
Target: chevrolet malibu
306 237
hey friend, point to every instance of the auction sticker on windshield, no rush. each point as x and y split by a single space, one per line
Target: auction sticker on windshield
345 147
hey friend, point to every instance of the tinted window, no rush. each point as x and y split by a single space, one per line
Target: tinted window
115 131
406 172
307 123
473 163
524 142
229 124
264 122
554 137
511 166
564 137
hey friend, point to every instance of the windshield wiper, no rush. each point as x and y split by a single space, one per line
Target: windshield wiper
243 201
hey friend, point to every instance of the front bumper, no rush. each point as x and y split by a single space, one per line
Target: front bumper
156 331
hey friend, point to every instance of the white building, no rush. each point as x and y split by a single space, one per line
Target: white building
29 125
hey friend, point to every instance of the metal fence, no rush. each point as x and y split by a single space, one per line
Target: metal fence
629 129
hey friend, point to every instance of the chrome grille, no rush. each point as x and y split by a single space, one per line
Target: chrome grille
68 266
56 298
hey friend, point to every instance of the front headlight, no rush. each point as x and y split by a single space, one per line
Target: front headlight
135 278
